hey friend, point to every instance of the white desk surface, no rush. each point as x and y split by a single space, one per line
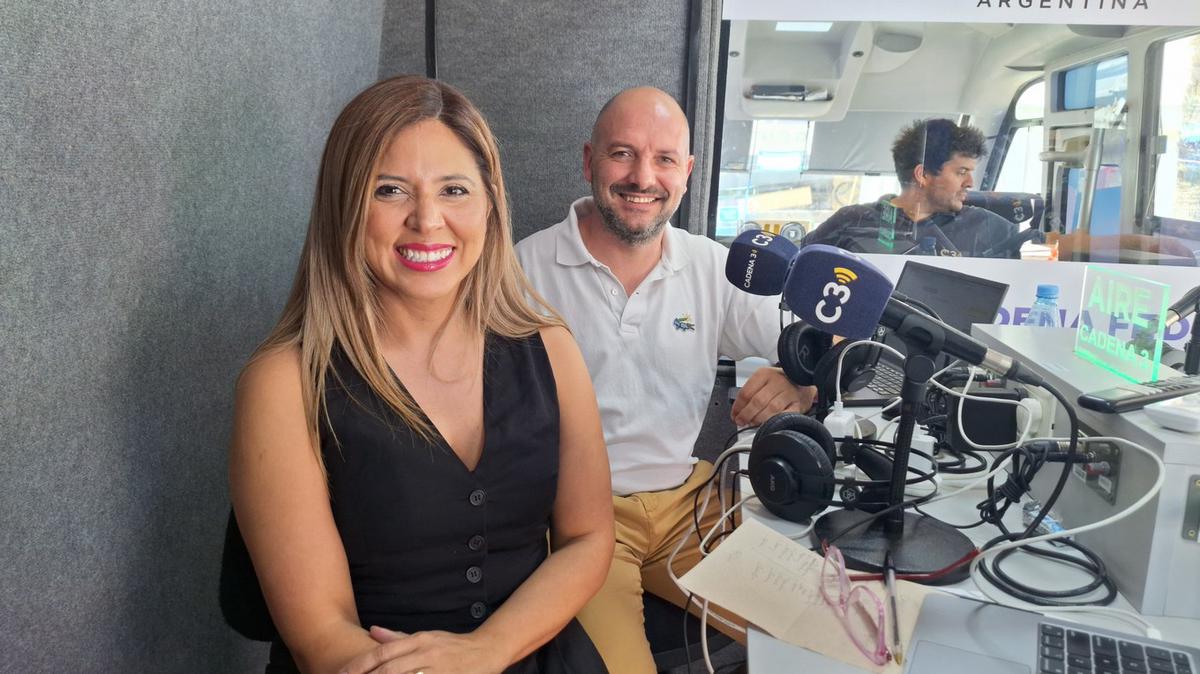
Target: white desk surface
767 655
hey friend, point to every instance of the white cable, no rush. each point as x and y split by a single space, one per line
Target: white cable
880 411
896 401
720 523
837 386
704 638
963 395
1122 614
704 612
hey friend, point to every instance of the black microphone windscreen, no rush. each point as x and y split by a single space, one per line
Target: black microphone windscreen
758 262
836 291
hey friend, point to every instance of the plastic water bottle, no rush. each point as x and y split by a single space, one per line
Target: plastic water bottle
927 246
1044 312
1050 524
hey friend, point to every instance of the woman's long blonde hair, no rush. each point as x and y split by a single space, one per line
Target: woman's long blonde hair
333 301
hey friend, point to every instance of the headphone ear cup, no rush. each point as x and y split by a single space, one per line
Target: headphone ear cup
877 467
791 474
858 369
800 348
800 423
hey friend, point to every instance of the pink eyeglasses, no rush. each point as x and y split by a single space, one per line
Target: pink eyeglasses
859 609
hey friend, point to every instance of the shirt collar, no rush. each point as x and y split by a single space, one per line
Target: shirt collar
570 250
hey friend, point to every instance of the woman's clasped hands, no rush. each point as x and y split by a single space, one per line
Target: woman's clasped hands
431 652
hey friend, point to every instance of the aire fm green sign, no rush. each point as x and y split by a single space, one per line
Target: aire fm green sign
1121 324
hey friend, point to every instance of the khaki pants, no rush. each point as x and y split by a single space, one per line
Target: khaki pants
648 527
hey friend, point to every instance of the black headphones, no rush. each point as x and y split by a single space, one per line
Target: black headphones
809 358
791 469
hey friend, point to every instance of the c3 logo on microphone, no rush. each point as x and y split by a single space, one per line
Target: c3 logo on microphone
835 293
762 239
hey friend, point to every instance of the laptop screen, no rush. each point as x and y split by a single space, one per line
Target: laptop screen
959 299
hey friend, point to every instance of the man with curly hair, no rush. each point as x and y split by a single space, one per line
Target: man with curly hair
935 160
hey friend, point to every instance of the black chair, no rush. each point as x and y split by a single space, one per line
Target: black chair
665 632
1016 207
239 594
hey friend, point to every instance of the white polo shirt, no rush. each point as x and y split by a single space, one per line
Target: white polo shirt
652 355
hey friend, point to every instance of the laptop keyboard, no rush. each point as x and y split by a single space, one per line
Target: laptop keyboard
887 380
1074 651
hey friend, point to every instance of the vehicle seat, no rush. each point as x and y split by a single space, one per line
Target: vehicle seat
1016 207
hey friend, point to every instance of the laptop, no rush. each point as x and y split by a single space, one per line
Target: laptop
955 635
959 300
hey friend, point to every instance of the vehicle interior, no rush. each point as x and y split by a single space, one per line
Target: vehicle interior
1099 122
157 169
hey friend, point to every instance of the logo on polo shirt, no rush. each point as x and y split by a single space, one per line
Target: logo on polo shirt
684 323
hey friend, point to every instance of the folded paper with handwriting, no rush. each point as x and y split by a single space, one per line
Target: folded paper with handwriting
774 583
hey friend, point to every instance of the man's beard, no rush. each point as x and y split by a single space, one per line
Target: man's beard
620 229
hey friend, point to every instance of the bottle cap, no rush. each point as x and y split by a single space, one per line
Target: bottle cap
1047 290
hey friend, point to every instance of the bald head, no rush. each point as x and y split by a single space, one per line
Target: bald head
640 101
638 164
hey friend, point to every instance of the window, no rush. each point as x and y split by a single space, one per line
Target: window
766 179
1177 179
1094 85
1022 170
1101 86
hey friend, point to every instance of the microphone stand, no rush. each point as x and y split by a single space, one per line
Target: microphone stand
1191 352
917 543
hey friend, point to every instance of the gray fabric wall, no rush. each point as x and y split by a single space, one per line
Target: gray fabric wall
702 108
402 41
540 76
157 161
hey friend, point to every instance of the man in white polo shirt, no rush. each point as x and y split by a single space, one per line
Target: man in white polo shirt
651 311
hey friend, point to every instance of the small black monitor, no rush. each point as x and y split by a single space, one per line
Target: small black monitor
959 299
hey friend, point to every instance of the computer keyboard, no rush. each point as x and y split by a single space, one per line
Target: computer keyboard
887 380
1077 651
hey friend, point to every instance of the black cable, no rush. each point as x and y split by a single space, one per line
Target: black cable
922 476
874 516
1074 421
923 307
687 650
1026 463
1091 564
918 510
958 465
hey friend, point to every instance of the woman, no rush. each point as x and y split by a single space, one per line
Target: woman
412 427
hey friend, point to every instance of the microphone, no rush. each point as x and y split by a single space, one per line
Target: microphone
836 291
1143 338
843 294
1014 242
1185 307
758 262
